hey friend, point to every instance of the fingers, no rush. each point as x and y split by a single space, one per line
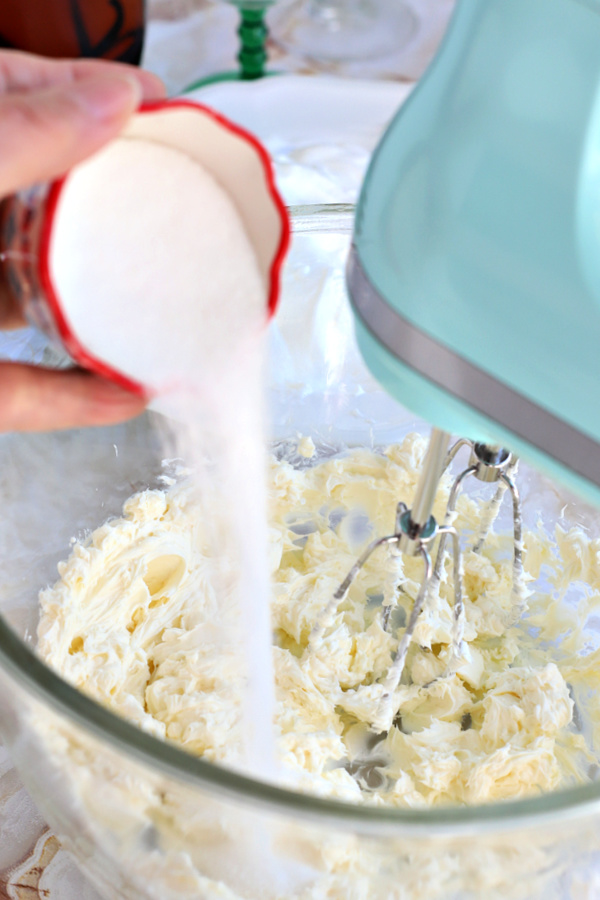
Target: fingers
25 72
54 113
45 132
36 399
151 85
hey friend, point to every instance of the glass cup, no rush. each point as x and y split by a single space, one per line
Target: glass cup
343 30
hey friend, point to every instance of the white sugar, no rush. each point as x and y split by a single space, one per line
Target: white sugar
157 278
153 267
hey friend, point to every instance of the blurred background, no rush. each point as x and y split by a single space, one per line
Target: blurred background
188 40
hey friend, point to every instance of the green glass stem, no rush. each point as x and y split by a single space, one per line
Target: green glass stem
253 38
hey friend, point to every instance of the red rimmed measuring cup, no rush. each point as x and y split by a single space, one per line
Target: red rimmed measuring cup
236 161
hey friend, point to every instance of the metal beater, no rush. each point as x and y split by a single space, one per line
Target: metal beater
415 533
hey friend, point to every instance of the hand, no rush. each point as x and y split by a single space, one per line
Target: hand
54 114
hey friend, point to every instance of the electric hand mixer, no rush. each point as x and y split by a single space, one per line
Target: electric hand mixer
475 268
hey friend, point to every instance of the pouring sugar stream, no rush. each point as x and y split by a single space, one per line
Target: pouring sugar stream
156 263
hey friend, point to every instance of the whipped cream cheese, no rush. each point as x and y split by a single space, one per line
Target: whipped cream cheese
134 621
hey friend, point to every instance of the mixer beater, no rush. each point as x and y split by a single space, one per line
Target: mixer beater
488 463
415 533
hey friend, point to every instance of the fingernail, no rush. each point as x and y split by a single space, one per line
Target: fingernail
152 86
108 96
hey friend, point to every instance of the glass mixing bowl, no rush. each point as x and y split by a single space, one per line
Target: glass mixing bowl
145 819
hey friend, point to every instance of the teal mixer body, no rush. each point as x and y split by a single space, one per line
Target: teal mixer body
475 267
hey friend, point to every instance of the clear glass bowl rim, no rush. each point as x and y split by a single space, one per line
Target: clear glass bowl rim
23 665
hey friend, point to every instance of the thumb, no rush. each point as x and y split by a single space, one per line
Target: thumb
43 133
